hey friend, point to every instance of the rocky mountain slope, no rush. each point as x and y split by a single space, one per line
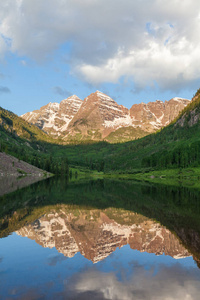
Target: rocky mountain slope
100 117
15 174
190 115
96 234
156 115
54 118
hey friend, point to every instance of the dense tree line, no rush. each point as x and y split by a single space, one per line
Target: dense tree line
181 157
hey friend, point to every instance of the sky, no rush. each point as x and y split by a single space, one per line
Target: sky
134 51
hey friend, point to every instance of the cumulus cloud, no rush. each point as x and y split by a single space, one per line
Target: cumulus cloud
164 283
172 282
62 92
4 90
147 41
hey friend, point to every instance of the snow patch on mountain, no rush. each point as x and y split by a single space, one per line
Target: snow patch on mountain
119 122
54 118
179 99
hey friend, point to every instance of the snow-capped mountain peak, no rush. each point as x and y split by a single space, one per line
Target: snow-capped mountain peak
99 115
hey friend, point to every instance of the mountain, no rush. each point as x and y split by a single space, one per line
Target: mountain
95 235
100 117
175 146
54 118
155 115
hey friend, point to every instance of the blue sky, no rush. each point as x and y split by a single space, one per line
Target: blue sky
135 51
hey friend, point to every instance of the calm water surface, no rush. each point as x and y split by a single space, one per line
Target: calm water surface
100 240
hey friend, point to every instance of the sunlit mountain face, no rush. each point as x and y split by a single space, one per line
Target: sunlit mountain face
99 117
100 239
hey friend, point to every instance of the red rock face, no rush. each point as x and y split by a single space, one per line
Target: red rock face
96 236
155 115
99 115
97 111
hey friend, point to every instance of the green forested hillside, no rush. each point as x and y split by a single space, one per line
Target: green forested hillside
11 123
27 142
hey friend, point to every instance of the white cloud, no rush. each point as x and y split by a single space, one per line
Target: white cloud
165 283
172 282
144 40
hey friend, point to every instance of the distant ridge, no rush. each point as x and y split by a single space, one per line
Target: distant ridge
99 117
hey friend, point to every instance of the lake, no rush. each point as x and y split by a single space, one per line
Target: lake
100 239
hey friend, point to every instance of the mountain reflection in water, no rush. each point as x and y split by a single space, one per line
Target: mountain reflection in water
96 234
100 239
